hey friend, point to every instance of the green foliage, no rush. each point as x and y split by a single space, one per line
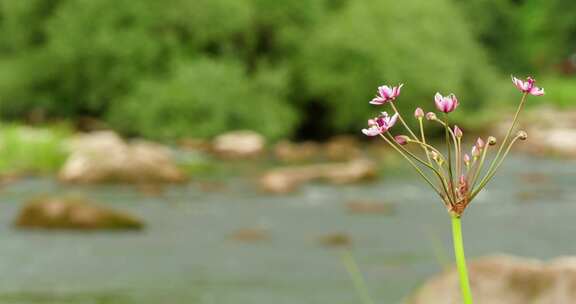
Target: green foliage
32 150
524 36
371 42
180 68
87 54
549 31
213 95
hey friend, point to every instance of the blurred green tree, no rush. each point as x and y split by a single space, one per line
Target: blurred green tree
524 35
177 68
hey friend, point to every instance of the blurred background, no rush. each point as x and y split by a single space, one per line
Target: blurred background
208 151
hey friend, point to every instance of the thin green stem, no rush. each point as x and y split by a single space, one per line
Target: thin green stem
402 121
461 259
356 277
421 124
430 147
391 143
450 173
479 167
514 121
458 156
429 166
489 175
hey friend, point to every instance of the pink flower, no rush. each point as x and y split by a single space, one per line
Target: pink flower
419 113
380 124
386 94
528 86
446 104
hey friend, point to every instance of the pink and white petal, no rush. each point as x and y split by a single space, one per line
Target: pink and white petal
372 131
385 91
377 101
438 97
448 106
440 106
392 120
384 114
536 91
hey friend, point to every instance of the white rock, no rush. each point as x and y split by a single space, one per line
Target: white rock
505 280
239 144
104 157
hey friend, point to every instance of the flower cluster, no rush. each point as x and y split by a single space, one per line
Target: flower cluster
456 175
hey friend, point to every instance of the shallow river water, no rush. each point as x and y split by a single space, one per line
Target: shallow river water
185 254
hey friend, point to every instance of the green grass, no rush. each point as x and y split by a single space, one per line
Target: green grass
27 150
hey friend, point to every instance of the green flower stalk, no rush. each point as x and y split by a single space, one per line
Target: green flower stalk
456 176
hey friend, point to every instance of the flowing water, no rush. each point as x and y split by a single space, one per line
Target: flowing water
185 255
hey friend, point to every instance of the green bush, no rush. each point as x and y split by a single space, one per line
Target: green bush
203 98
85 55
179 68
372 42
524 36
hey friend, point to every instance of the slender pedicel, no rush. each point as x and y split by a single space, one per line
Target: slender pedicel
413 165
502 145
402 121
419 114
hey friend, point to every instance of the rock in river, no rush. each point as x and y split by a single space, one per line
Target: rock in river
239 145
550 131
287 179
73 213
104 157
506 280
287 151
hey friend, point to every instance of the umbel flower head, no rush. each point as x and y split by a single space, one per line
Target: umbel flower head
456 176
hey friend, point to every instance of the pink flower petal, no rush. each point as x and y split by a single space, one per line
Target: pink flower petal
372 131
536 91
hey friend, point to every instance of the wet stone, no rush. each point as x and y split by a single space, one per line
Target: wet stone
73 213
337 239
250 235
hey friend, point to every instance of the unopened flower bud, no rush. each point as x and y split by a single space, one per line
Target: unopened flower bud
434 155
466 158
419 113
458 132
475 151
401 139
430 116
522 135
480 143
463 185
491 140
